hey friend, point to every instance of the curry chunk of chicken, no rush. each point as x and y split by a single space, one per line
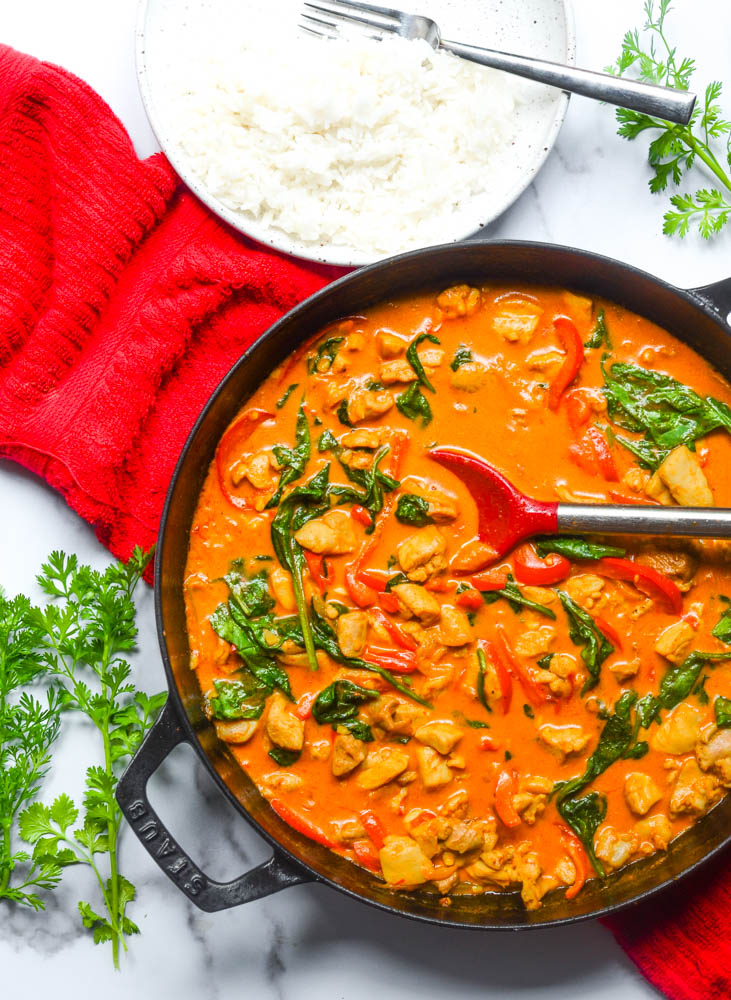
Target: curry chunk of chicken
440 734
469 377
434 770
615 849
713 753
443 506
679 731
283 727
329 535
235 730
674 642
683 476
403 863
367 404
531 798
352 629
641 793
454 627
654 833
396 715
564 741
694 792
382 766
416 601
422 554
390 345
459 300
347 754
516 321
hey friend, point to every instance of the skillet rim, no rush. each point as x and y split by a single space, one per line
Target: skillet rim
175 702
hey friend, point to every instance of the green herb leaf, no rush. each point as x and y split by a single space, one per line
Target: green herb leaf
600 334
462 356
284 757
515 598
575 548
321 361
414 404
342 413
585 816
283 399
722 628
477 724
481 669
528 711
722 710
413 509
584 632
680 678
327 442
239 699
294 459
412 357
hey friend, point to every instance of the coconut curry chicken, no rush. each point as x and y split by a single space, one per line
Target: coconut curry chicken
442 718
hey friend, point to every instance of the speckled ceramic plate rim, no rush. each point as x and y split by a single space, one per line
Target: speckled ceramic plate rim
326 254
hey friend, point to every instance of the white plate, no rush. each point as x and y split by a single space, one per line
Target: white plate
168 28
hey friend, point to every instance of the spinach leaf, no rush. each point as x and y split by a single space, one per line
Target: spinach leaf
600 333
462 356
575 548
648 710
512 593
239 699
414 404
250 594
342 413
476 724
259 662
413 509
394 581
585 816
722 709
321 361
584 632
666 412
283 757
481 668
700 690
414 360
338 705
545 661
327 441
722 628
294 459
374 482
680 678
283 399
529 713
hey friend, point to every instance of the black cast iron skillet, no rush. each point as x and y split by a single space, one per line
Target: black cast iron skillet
699 317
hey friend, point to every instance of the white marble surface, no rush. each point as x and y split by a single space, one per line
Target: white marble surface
310 941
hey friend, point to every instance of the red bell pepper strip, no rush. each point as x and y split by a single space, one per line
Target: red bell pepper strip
373 827
303 708
578 407
609 631
637 501
490 579
504 789
470 599
367 855
574 348
657 586
361 593
488 743
604 457
575 850
401 638
361 514
300 824
389 602
321 577
234 437
503 674
397 661
534 691
372 579
532 570
441 586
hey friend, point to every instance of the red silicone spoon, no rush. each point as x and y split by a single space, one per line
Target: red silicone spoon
507 516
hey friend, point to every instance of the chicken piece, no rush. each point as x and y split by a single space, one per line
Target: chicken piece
433 768
694 792
361 437
636 479
683 476
235 730
440 734
403 863
674 642
541 595
469 377
348 830
535 641
319 749
654 832
586 589
624 670
459 300
563 740
366 404
331 534
679 564
529 872
472 557
257 469
352 629
398 371
382 766
347 754
283 727
422 554
545 359
428 832
454 627
615 849
516 320
495 866
280 584
443 506
430 357
713 753
680 730
579 308
531 798
336 392
418 602
396 715
657 490
389 345
356 459
354 342
640 792
465 836
279 781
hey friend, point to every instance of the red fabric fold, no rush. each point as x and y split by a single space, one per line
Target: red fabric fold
123 302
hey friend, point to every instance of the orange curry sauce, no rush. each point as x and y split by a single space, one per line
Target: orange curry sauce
432 799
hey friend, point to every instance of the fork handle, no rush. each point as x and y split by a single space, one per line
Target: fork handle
609 519
660 102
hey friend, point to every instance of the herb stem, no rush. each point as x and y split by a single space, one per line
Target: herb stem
111 824
705 154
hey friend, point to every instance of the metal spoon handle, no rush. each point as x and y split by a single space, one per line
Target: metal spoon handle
608 519
660 102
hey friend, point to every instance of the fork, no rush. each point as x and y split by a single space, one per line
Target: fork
660 102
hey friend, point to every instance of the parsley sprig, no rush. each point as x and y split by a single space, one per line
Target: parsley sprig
675 149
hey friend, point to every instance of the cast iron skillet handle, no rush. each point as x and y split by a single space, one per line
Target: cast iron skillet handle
275 874
718 296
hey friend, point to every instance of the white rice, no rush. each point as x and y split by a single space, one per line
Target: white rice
352 143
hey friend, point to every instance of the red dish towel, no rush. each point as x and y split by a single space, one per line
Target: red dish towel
123 302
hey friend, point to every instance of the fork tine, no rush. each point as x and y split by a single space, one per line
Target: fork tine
348 18
317 34
320 24
372 8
